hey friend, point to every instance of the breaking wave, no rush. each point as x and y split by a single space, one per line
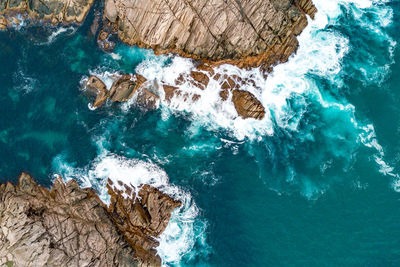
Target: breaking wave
184 228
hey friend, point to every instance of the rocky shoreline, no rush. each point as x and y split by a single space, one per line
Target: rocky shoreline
70 226
251 33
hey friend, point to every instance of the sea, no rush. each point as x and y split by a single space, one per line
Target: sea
314 183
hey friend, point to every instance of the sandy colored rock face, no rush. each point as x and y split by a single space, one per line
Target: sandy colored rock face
260 31
122 89
56 11
71 226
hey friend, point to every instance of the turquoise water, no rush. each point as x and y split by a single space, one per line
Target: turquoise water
314 183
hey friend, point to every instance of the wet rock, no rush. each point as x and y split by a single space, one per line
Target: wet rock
147 99
200 79
247 105
98 89
95 24
146 93
71 226
103 35
169 91
3 23
142 220
106 37
122 89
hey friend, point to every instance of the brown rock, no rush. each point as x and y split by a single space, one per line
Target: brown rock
169 91
103 35
200 78
3 23
122 89
97 88
247 105
147 99
144 93
245 33
71 226
142 220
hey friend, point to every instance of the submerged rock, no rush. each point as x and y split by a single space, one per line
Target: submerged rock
71 226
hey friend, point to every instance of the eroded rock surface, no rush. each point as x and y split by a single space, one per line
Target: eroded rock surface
122 89
141 220
96 88
71 226
55 11
242 32
247 105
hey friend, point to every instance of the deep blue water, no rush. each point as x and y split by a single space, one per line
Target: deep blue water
312 184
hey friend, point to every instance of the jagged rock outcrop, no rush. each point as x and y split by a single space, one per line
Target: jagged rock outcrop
246 33
247 105
141 220
123 88
96 88
55 11
241 32
71 226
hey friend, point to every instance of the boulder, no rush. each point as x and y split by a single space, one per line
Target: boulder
3 23
142 219
122 89
247 105
97 88
146 94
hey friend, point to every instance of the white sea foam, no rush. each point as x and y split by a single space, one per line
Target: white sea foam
59 31
184 228
320 53
115 56
107 77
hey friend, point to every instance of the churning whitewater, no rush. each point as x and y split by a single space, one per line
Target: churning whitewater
311 77
252 191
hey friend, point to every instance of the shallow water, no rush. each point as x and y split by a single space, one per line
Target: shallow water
314 182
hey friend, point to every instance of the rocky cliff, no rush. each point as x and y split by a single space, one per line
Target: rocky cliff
71 226
241 32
